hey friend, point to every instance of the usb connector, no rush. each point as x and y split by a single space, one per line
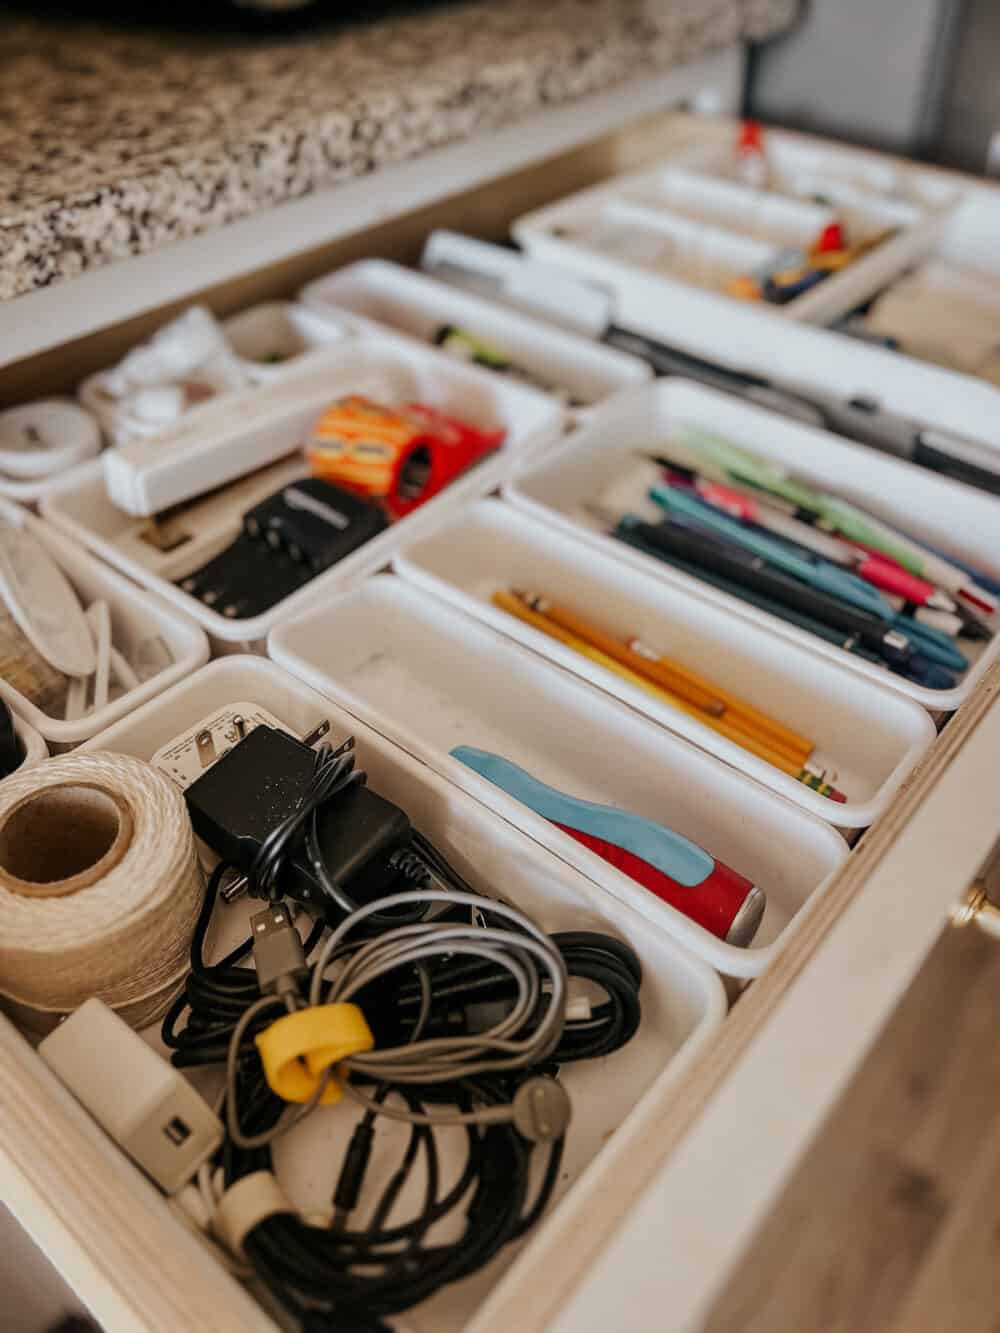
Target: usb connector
277 951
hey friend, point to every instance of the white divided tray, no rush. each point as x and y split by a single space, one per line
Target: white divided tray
135 616
613 1099
377 292
387 367
868 738
600 460
432 679
691 227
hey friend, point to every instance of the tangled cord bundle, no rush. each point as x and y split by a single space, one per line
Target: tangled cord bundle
466 999
470 1080
100 888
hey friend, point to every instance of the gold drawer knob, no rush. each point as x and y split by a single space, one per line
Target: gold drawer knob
976 908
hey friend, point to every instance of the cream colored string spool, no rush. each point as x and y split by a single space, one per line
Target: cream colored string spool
100 888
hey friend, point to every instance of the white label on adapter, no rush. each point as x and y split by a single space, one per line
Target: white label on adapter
185 758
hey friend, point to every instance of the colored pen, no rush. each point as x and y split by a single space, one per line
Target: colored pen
985 581
628 530
837 514
702 547
876 570
819 574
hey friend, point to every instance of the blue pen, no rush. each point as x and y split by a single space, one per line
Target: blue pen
818 573
932 643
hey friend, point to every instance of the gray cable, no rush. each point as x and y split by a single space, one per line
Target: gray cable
519 951
448 1058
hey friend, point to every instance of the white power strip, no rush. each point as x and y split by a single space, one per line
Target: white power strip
188 755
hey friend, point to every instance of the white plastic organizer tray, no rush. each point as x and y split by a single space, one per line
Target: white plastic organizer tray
691 223
600 461
613 1099
432 678
135 617
868 738
376 292
389 368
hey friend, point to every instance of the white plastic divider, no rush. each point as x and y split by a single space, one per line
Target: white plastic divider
868 738
600 461
135 616
396 368
378 294
613 1098
432 678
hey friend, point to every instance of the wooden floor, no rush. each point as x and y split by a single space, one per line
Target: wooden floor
892 1222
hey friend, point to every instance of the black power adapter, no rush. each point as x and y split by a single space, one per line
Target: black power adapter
260 784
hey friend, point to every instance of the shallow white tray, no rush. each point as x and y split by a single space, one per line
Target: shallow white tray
683 1001
377 292
578 233
432 678
601 454
397 368
135 616
868 737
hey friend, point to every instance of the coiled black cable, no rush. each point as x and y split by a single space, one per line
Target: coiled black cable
360 1276
458 987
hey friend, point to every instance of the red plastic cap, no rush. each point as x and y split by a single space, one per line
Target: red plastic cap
830 238
751 137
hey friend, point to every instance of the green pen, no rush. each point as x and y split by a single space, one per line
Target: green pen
838 515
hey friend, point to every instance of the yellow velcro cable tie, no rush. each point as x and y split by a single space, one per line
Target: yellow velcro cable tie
298 1049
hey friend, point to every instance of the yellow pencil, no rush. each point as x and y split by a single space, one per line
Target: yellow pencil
516 607
677 679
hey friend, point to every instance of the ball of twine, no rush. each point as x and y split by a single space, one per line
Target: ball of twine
100 887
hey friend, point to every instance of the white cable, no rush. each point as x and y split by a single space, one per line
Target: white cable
100 888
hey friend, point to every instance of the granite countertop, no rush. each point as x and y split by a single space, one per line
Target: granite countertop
116 143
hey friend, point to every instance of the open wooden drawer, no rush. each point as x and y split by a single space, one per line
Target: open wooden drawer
665 1220
660 1220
